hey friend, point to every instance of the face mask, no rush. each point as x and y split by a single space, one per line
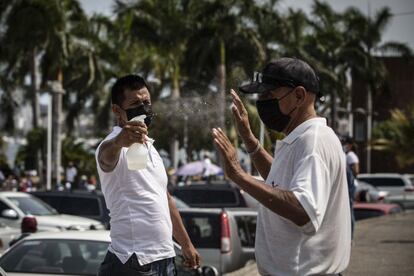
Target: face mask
143 109
271 116
345 148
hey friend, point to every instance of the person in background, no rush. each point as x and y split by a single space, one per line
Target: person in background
352 159
83 183
71 173
206 168
352 170
91 185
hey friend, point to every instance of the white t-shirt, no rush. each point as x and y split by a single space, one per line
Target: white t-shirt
351 158
138 205
310 162
71 174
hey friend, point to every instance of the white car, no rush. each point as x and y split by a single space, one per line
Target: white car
365 192
393 183
16 205
69 253
7 234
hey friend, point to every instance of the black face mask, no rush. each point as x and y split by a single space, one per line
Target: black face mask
143 109
270 114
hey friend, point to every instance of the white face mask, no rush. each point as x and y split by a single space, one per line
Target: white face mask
345 148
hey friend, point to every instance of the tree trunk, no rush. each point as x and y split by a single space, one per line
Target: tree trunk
369 128
35 96
221 76
58 92
334 110
174 146
36 109
175 95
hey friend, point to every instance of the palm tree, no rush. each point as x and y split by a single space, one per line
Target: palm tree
161 27
223 36
396 136
327 46
364 35
21 43
42 41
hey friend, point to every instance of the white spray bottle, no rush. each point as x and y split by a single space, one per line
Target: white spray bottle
137 154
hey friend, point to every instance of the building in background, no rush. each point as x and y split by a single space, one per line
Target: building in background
398 92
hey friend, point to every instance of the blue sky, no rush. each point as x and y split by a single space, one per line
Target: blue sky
400 29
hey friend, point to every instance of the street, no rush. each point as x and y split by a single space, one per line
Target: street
383 246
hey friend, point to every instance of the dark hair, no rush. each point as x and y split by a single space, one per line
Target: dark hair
128 82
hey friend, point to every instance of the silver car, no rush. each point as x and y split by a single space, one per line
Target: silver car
224 238
69 253
16 205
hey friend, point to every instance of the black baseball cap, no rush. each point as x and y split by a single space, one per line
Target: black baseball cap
282 72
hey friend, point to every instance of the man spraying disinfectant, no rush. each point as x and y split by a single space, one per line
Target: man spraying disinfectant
144 218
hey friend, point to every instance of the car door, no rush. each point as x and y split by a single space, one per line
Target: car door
246 228
204 231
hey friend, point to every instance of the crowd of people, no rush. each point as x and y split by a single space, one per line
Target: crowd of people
28 181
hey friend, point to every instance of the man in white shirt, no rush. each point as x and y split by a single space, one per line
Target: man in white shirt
303 225
144 217
71 173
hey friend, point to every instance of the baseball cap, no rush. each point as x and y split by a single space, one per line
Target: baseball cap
282 72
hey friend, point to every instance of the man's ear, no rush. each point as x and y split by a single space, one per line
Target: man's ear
116 111
300 93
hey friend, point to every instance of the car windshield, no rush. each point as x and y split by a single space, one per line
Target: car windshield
48 256
384 181
32 206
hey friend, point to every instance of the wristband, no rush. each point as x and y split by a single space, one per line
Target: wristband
256 149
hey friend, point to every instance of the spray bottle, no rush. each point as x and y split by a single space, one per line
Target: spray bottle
137 154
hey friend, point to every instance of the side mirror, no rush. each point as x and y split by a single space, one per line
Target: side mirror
9 214
209 271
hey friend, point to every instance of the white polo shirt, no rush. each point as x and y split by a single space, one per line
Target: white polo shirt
138 205
310 162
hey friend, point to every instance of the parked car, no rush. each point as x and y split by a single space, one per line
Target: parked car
366 192
393 183
7 234
78 203
69 253
83 203
224 238
15 205
217 194
405 201
370 210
